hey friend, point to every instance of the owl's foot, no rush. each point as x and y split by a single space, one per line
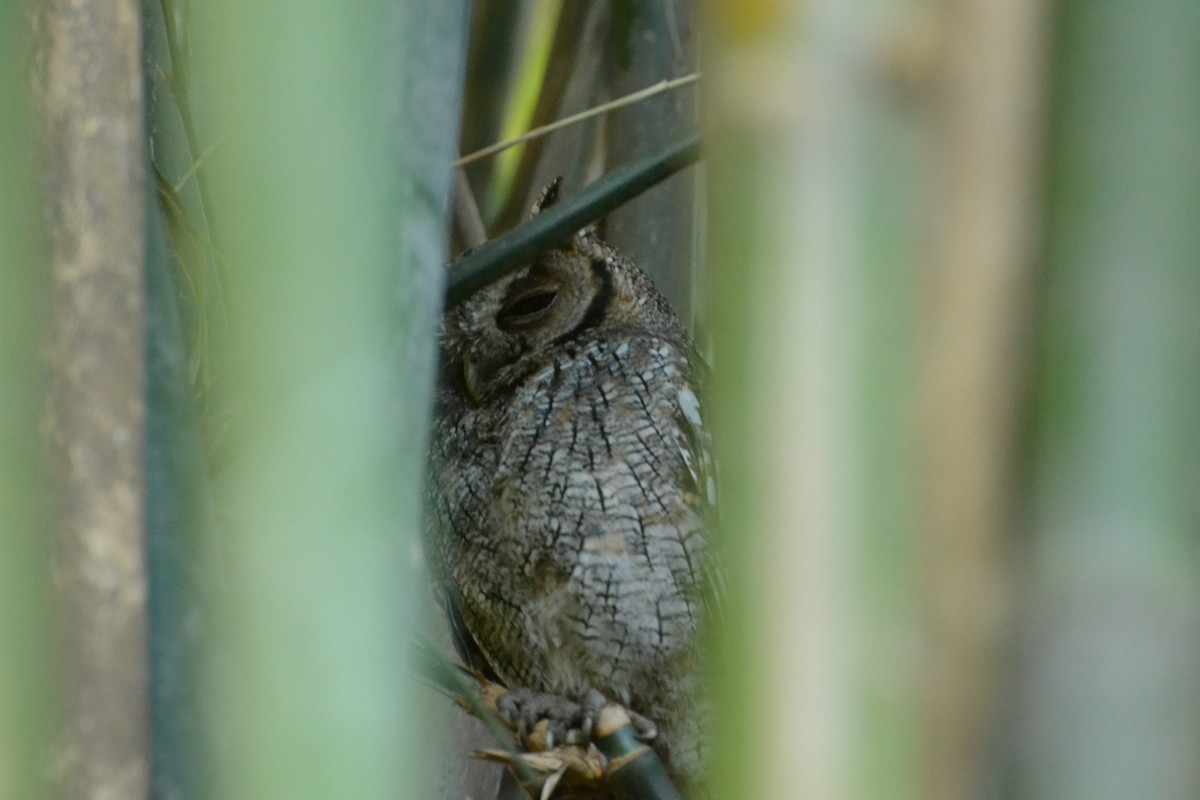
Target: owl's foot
543 721
585 744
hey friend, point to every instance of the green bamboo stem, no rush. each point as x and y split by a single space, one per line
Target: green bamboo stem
27 671
489 262
331 190
1109 700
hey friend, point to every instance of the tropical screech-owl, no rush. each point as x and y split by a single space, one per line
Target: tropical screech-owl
570 486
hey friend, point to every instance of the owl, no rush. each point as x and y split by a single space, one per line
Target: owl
571 487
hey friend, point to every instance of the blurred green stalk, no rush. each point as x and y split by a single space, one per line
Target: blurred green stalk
26 669
812 257
330 153
1110 700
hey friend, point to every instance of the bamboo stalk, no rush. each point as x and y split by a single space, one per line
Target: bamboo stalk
785 318
95 157
490 261
1108 697
28 671
332 189
984 229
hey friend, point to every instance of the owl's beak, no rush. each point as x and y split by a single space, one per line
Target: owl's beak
472 380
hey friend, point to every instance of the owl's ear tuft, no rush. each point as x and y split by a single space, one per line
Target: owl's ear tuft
549 196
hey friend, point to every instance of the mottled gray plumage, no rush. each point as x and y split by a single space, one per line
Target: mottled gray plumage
571 487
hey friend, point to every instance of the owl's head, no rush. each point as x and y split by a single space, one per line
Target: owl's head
582 289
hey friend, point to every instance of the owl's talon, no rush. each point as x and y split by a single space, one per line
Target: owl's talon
543 721
539 719
646 730
590 705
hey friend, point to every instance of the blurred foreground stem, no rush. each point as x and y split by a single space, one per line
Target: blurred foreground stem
1109 698
26 628
331 191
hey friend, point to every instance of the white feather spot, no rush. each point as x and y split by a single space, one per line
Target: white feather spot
690 406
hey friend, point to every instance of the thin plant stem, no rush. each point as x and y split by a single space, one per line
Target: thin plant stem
620 102
490 261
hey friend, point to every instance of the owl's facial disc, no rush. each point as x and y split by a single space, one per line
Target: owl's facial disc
528 308
559 295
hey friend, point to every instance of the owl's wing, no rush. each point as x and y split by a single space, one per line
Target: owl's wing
700 478
464 643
